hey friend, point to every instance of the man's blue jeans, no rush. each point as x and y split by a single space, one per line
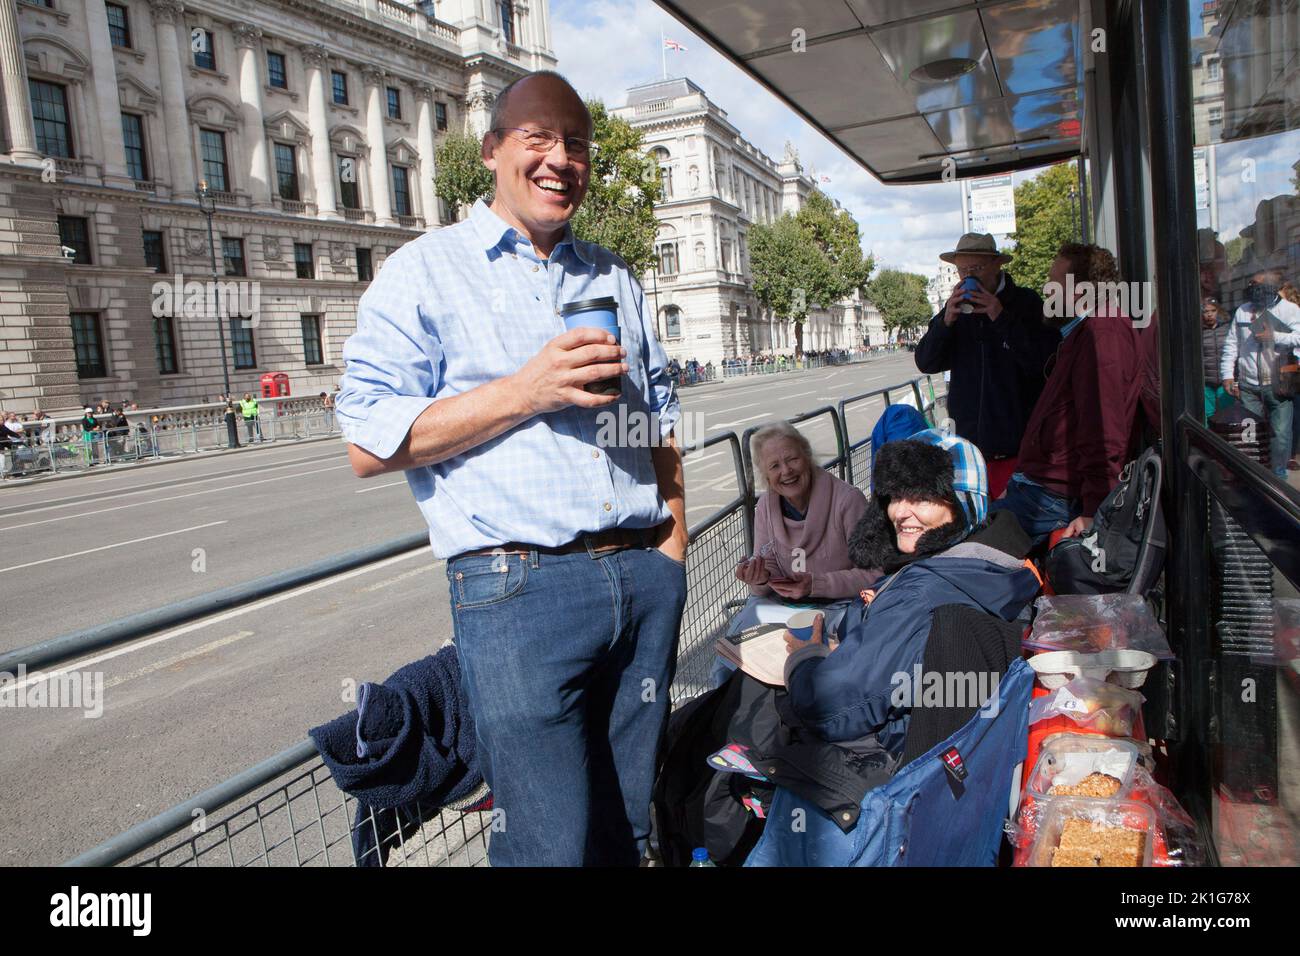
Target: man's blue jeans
1278 412
567 662
1039 511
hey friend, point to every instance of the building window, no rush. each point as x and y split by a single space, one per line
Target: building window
311 347
137 165
401 192
302 260
1213 69
50 117
668 259
155 256
673 322
286 171
119 25
275 74
241 341
74 233
213 144
507 20
1216 115
440 116
232 252
365 271
205 55
394 102
88 341
164 342
339 81
348 194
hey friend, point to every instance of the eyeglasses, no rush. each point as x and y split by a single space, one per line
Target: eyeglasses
543 141
974 270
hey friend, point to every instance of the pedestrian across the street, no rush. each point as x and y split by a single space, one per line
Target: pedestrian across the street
252 417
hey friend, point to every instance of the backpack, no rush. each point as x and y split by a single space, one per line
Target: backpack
1125 549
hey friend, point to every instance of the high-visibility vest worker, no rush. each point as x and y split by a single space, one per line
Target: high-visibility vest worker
249 407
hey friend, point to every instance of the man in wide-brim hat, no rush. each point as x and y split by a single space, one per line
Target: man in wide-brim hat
996 353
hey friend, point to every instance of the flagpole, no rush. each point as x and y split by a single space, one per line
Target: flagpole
663 52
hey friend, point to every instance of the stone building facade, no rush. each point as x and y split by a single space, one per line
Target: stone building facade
717 185
313 124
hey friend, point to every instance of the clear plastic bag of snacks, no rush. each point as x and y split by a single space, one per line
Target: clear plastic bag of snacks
1098 706
1089 623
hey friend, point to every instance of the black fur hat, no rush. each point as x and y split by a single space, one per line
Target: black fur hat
917 471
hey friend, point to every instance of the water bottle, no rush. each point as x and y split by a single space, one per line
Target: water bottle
700 857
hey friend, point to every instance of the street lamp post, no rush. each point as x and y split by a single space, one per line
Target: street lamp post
208 204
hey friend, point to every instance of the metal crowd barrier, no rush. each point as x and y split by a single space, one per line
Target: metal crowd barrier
68 452
286 811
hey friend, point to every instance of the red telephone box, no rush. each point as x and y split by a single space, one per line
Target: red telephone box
275 385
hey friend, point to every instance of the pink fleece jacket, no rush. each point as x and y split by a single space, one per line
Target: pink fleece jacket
834 508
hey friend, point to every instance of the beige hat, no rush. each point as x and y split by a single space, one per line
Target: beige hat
975 244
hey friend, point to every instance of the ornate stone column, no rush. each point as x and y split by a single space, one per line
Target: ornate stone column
322 164
380 200
13 79
104 90
424 142
252 115
180 154
478 108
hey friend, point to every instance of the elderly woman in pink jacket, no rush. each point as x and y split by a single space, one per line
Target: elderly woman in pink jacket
802 524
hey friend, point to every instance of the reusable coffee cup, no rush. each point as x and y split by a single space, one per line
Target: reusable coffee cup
801 623
970 284
600 314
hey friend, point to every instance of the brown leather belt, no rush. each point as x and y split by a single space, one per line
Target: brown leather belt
616 539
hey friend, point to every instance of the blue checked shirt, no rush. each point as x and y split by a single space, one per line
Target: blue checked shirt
470 303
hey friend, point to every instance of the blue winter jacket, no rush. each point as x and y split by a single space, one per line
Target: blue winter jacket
846 695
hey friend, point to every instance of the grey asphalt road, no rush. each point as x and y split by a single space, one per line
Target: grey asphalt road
189 707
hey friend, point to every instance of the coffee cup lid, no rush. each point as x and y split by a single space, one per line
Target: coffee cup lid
605 302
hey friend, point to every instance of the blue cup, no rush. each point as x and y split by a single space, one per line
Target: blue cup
600 314
801 623
969 284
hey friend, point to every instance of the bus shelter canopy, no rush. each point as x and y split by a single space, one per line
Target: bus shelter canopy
915 90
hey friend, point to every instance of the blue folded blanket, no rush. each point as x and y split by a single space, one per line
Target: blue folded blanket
408 750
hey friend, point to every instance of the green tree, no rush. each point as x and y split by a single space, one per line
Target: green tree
1046 218
900 297
808 260
461 178
619 211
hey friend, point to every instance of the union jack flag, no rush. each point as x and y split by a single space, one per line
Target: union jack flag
674 45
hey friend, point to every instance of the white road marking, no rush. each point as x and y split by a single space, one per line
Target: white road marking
69 502
106 547
379 585
799 394
177 659
390 484
190 494
739 421
209 621
709 508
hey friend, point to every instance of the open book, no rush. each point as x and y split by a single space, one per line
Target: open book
759 651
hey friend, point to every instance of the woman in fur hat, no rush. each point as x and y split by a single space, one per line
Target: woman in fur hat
926 528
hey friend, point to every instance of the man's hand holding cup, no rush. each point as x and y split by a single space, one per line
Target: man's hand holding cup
555 377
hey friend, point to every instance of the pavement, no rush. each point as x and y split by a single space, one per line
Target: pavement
189 707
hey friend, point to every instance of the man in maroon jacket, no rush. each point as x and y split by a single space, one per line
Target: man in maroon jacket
1077 438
